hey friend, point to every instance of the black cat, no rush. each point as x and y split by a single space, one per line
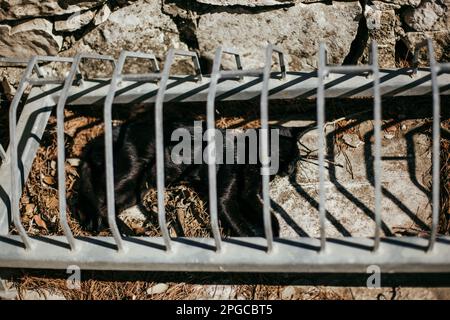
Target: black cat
238 185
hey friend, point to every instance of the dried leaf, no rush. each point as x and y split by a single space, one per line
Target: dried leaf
29 208
74 162
49 180
41 223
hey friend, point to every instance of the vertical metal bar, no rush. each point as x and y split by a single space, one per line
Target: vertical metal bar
109 161
14 165
265 170
436 146
321 73
109 155
210 122
283 67
264 148
415 62
2 153
160 136
61 150
61 154
377 134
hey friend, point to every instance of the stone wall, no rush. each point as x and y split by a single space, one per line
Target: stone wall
52 27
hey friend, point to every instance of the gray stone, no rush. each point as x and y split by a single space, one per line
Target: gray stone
373 17
383 27
441 44
249 3
10 294
33 37
157 289
75 21
19 9
386 38
140 26
8 89
352 140
220 292
102 15
74 162
133 214
251 32
41 295
429 16
288 293
399 3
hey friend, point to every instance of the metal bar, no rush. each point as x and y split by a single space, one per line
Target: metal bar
61 150
393 83
14 164
227 74
43 81
14 61
109 161
194 56
415 62
210 122
265 170
109 155
237 58
435 146
377 134
349 69
143 55
2 153
141 77
160 136
344 255
321 142
61 154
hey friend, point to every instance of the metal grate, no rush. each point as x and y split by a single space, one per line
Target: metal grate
405 254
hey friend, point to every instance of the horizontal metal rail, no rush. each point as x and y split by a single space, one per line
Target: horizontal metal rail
343 255
297 85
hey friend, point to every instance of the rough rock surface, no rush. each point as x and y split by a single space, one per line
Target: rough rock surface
381 25
298 26
19 9
399 3
429 16
250 3
33 37
349 191
441 44
102 15
251 32
75 21
140 26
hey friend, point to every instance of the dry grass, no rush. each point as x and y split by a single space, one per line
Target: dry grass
186 214
110 286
